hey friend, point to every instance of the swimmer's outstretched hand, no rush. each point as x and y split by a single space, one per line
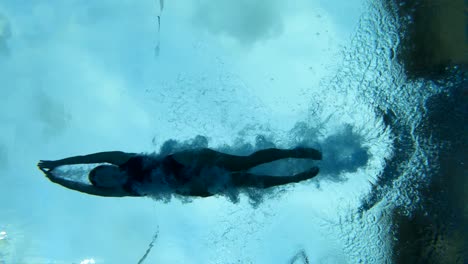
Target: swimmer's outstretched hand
48 173
47 168
47 165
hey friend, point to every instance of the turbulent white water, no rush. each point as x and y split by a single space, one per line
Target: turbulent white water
99 91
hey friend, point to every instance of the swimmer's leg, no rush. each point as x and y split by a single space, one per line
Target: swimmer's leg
244 179
209 157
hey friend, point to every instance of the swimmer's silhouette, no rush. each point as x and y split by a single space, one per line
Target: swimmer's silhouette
180 171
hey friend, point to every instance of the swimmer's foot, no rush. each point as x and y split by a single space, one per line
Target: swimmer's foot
308 174
306 153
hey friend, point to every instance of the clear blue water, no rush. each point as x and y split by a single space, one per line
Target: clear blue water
80 77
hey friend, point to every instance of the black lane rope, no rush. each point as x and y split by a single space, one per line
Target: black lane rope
161 7
150 246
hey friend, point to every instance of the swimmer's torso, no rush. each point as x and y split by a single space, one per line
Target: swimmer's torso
143 170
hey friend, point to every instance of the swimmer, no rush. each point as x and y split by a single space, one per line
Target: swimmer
181 170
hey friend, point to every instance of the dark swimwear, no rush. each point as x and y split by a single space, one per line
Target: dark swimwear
141 168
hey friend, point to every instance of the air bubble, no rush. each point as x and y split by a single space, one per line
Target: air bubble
371 219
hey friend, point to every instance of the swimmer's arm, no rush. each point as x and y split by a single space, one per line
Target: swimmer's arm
113 157
85 188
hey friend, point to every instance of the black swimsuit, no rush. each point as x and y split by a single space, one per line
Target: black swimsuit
141 168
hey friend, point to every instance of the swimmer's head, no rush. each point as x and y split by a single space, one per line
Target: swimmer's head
108 176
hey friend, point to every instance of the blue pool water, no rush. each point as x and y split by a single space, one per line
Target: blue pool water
80 77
